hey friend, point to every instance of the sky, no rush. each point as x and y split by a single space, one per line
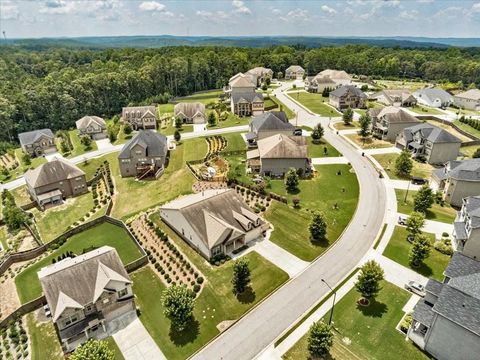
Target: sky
72 18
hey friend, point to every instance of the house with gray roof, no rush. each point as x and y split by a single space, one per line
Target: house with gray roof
52 182
37 142
214 222
435 145
140 117
339 77
347 96
93 126
469 100
268 124
247 103
260 74
90 296
446 322
466 228
433 97
294 72
318 83
457 180
190 112
394 98
144 156
241 83
390 121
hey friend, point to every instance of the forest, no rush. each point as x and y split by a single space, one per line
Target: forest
55 87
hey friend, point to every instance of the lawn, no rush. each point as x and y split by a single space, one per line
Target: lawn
28 285
366 332
419 109
23 167
468 129
318 150
232 120
21 195
368 143
291 225
170 129
205 97
464 112
398 248
78 148
468 151
282 107
43 339
340 125
165 108
114 347
387 161
315 103
235 142
215 304
444 213
122 138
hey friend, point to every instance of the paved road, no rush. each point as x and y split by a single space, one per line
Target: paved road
273 316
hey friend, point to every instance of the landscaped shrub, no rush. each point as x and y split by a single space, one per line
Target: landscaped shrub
445 234
196 288
200 280
445 247
407 320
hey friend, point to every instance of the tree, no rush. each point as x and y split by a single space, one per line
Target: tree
365 122
127 129
415 223
368 281
112 135
423 199
212 120
86 141
64 146
93 350
4 171
179 303
320 339
317 133
14 217
291 180
420 250
27 159
347 116
404 164
177 136
318 227
476 154
178 123
241 276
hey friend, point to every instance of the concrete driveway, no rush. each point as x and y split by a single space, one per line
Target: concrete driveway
103 144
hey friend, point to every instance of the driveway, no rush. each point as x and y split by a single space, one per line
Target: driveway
402 184
199 127
103 144
387 150
55 154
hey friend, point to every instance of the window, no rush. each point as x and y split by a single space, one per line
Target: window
71 319
216 250
122 293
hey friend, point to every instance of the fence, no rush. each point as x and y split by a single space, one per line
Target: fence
23 310
449 123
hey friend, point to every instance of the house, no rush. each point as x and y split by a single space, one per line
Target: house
347 96
140 117
395 98
433 97
277 154
214 222
268 124
247 103
469 100
446 322
294 72
457 180
241 83
144 155
190 112
37 142
318 83
390 121
93 126
340 77
54 181
428 141
260 74
90 296
466 228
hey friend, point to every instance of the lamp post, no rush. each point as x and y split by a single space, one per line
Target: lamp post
334 296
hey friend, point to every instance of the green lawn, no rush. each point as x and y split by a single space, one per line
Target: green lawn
205 97
369 143
28 286
232 120
166 108
122 138
318 150
398 248
468 129
21 195
444 213
370 331
170 129
43 340
468 151
235 142
282 107
387 161
3 238
464 112
419 109
341 125
78 148
315 103
23 167
291 225
114 347
215 304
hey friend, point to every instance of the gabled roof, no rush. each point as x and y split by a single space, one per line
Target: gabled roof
432 133
52 172
189 109
335 74
140 111
248 97
242 81
259 71
86 121
155 143
468 170
274 120
434 93
397 115
295 68
30 137
348 90
283 147
473 94
394 96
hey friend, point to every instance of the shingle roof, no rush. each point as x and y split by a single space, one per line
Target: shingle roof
395 95
348 89
473 94
140 111
249 97
335 74
259 71
431 133
295 68
396 115
52 172
468 170
189 109
433 286
461 265
30 137
274 120
155 143
434 93
322 79
423 313
283 147
86 121
242 81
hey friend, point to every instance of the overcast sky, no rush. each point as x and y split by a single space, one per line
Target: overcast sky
54 18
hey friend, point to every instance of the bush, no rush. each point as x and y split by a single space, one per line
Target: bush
200 280
196 288
407 320
443 247
445 234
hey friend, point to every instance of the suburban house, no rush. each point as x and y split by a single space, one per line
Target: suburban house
428 141
469 100
190 112
140 117
446 322
247 103
240 83
433 97
260 74
318 83
93 126
347 96
466 228
268 124
395 98
144 155
54 181
277 154
90 296
37 142
390 121
294 72
340 77
214 222
457 180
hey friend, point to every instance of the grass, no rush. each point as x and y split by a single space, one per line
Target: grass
122 138
3 238
282 107
387 161
205 97
318 150
235 142
21 195
398 249
342 126
78 147
166 108
419 109
464 112
468 151
114 347
467 128
444 213
450 129
368 143
315 103
379 239
216 302
43 340
291 225
24 167
232 120
27 283
170 129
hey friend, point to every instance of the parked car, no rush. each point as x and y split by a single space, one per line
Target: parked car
418 180
46 308
402 220
297 132
415 288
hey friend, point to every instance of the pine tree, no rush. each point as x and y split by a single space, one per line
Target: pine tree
291 180
320 339
318 227
241 276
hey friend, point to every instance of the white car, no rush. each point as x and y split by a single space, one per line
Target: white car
46 308
415 288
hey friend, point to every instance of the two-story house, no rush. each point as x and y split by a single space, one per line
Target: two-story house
469 100
268 124
394 98
390 121
241 83
466 228
318 83
190 112
260 74
294 72
144 156
340 77
93 126
140 117
247 104
347 96
52 182
90 296
37 142
435 145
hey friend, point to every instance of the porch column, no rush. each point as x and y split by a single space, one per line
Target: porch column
86 333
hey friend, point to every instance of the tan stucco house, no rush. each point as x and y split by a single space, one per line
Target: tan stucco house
37 142
294 72
190 112
318 83
469 100
340 77
140 117
260 74
93 126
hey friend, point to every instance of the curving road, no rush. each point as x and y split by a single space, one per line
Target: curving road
259 328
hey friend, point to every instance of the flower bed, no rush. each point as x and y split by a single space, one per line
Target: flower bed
14 341
216 144
258 202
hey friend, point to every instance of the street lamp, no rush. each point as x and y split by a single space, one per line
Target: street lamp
334 296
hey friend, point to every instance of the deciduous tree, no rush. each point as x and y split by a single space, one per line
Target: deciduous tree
318 227
420 249
241 276
404 164
93 350
368 281
179 303
423 199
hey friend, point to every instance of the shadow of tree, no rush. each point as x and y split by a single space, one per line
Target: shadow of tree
324 243
293 191
423 269
374 309
188 335
248 296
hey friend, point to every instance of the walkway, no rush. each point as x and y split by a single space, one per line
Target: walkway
330 160
434 227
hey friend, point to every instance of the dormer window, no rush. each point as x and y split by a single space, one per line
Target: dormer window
122 292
